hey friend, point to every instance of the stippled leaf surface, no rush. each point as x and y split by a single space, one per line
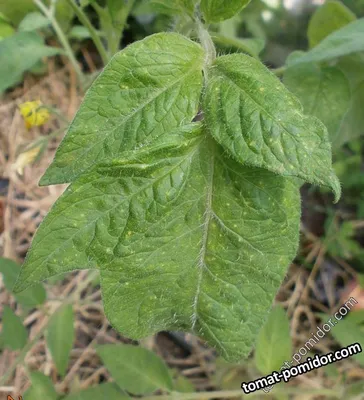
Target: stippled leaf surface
135 369
328 18
260 123
323 92
151 86
185 239
219 10
347 40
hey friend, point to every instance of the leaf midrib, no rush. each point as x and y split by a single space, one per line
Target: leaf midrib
193 149
134 112
205 231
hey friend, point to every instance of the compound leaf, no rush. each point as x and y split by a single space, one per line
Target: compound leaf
135 369
260 123
323 92
328 18
14 335
151 86
347 40
274 344
60 336
218 10
185 239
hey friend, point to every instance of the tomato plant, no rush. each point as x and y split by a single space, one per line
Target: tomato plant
184 171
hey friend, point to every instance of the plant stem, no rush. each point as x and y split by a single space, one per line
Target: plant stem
93 33
279 71
115 33
207 44
61 37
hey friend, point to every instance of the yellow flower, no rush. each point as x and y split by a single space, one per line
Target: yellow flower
34 113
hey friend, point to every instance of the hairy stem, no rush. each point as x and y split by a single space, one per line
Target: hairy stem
207 44
93 33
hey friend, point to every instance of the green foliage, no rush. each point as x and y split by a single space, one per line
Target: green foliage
42 388
13 335
352 124
347 40
60 336
105 391
332 16
19 53
135 369
346 333
260 123
323 91
274 345
219 10
17 10
33 21
31 297
132 89
174 7
340 240
5 27
189 233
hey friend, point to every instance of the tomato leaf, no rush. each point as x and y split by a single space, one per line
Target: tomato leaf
42 388
151 86
135 369
328 18
185 238
323 92
14 335
60 336
31 297
18 54
218 10
347 40
260 123
274 344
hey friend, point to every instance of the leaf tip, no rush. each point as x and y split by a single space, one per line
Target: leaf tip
336 187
